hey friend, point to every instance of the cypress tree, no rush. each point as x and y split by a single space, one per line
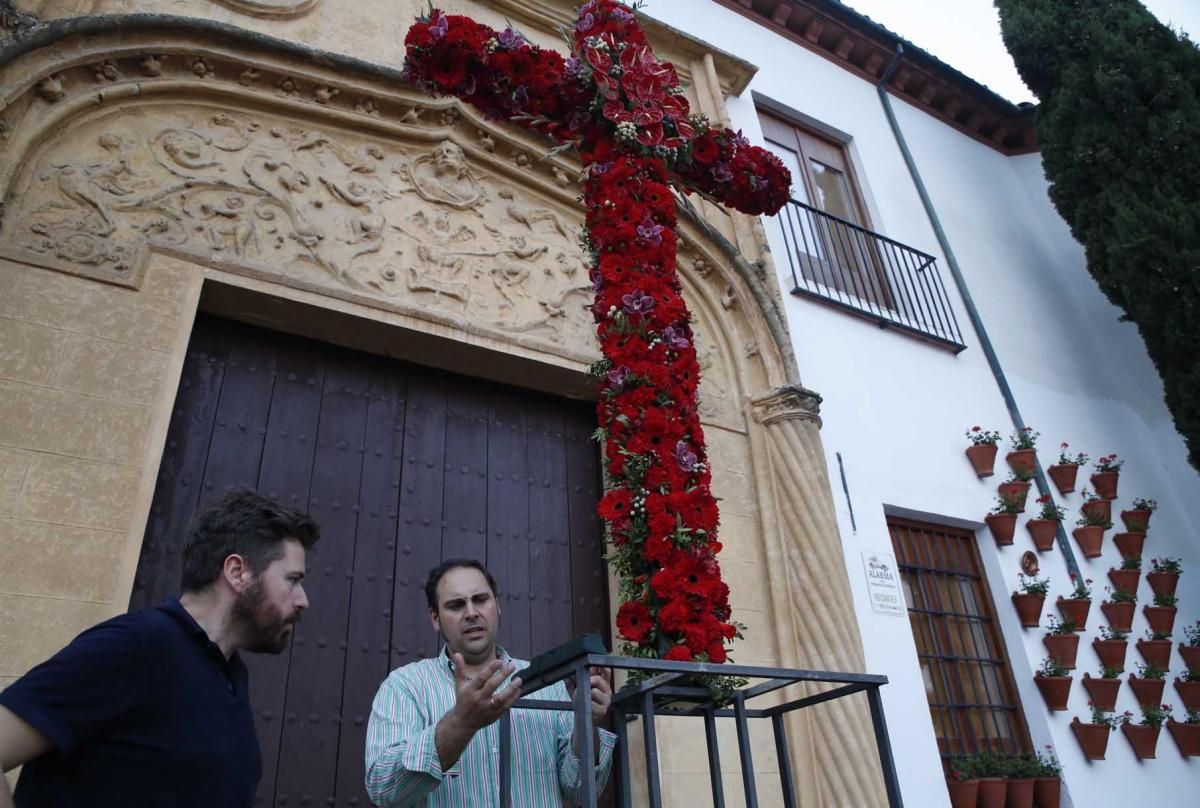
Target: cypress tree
1119 130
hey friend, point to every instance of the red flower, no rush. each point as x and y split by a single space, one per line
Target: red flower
616 504
634 621
679 653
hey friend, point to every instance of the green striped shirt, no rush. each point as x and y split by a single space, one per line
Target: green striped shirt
403 768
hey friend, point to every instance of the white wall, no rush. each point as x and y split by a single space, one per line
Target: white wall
896 408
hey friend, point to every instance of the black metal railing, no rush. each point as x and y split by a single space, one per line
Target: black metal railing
870 275
662 694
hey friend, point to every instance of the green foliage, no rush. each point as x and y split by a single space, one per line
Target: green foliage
1117 127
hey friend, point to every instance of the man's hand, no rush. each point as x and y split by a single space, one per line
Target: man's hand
479 701
601 691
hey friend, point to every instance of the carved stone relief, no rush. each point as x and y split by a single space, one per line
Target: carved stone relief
279 9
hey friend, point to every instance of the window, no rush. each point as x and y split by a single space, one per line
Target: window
968 680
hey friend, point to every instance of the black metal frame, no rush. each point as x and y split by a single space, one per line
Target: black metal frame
846 265
661 695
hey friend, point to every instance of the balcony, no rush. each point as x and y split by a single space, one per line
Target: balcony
866 274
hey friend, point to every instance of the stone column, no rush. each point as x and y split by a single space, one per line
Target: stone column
814 617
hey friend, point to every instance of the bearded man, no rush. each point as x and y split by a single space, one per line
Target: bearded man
152 708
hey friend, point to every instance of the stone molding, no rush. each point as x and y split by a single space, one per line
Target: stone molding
791 402
271 9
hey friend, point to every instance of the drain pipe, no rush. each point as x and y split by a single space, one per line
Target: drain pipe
968 302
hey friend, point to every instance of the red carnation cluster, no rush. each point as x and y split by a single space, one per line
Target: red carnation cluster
627 113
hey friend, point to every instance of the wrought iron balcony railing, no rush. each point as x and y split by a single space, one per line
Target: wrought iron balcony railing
867 274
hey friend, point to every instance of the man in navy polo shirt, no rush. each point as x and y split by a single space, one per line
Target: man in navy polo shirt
151 709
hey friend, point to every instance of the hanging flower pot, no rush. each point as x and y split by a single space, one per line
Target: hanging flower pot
1029 608
983 459
1075 610
992 792
1142 738
1089 539
1020 793
1022 461
1092 738
1186 736
1163 583
1189 693
1003 527
1125 579
1047 792
1016 492
1105 483
1099 510
1063 476
1147 691
1055 690
1155 652
1042 531
1130 544
1111 652
1136 521
1191 656
1160 618
1102 693
1119 614
1063 648
963 793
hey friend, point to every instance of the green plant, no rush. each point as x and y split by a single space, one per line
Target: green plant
1021 473
1090 519
1021 767
1131 563
1155 715
1024 439
1144 505
1157 635
1065 459
1109 463
1048 765
989 764
1083 589
1119 595
1006 503
1107 633
1060 627
962 768
1111 671
1192 633
1170 566
1112 721
980 436
1034 586
1147 671
1166 601
1191 675
1052 668
1049 510
1193 717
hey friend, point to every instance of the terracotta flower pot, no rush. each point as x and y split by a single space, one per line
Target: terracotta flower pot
1098 509
1155 652
1003 526
1022 460
1105 484
1186 736
1136 521
1093 738
1191 656
1147 691
992 792
1160 618
1089 540
1118 613
1102 692
1163 583
1130 544
963 793
1143 739
1075 610
1029 608
1042 531
1047 791
1055 690
1063 648
1189 693
1125 579
1020 793
1015 491
1064 477
983 458
1111 652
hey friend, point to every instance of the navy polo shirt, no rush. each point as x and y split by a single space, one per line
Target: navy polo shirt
142 710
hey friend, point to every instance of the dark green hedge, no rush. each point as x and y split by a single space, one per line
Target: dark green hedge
1119 131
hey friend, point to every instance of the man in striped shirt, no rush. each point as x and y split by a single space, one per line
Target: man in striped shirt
433 739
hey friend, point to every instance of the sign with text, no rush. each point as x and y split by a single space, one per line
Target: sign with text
883 583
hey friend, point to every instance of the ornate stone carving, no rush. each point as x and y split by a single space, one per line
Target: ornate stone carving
791 402
271 9
13 21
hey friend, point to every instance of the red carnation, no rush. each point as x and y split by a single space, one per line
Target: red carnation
679 653
634 621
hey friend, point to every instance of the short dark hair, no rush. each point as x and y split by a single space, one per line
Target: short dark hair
437 573
245 523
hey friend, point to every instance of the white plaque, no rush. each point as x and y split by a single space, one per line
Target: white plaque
883 583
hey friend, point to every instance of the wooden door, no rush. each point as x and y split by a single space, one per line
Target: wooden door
402 466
